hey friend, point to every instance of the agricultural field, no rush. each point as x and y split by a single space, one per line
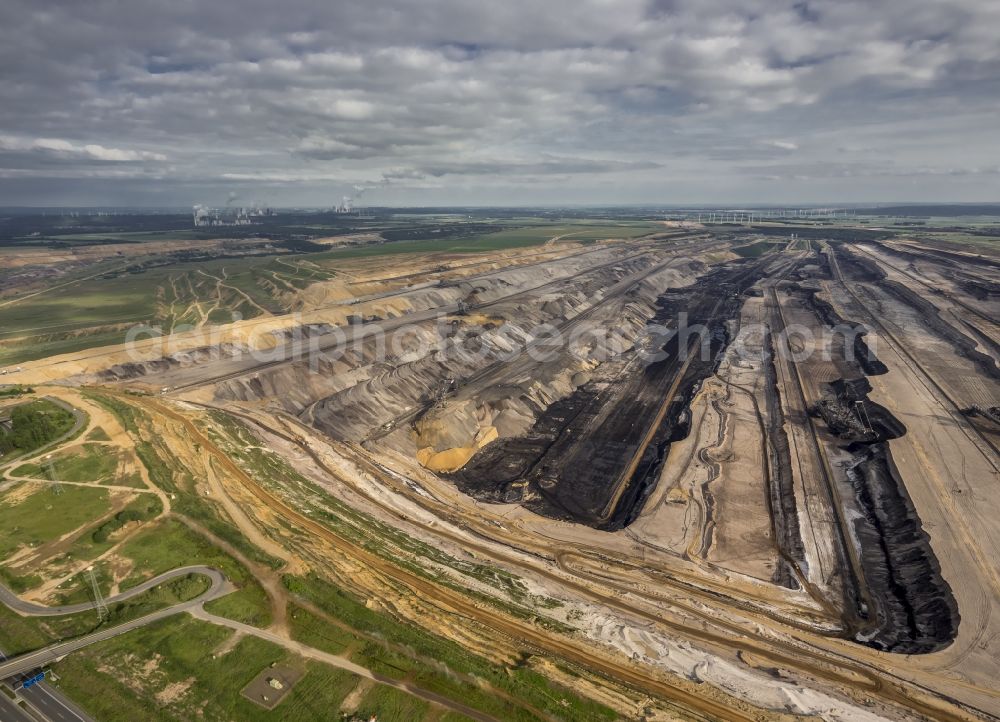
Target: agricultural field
88 309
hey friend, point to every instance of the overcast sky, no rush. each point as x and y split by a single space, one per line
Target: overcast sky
438 102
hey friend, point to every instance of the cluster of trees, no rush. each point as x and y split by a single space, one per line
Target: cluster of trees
131 513
34 425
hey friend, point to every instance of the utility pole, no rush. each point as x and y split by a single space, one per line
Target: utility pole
50 471
99 603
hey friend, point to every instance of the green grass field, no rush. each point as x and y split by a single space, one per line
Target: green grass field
385 645
248 605
89 462
391 705
44 515
167 672
169 545
23 634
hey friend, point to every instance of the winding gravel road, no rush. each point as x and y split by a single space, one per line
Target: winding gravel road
23 663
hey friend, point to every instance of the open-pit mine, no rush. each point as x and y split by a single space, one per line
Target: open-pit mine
684 471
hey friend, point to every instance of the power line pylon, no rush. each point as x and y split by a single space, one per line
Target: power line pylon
99 603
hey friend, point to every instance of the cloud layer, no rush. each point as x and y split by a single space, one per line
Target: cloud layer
449 101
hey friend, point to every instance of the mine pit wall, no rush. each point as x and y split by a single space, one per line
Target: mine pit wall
915 611
781 485
952 257
486 288
505 400
978 288
299 385
574 456
963 344
140 369
419 386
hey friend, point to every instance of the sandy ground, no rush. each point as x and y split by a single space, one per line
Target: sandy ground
953 485
324 302
681 596
711 501
48 559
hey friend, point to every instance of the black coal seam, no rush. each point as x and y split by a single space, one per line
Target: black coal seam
784 509
896 554
916 611
676 423
860 352
490 475
676 426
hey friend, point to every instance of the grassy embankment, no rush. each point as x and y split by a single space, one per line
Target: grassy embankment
391 646
188 672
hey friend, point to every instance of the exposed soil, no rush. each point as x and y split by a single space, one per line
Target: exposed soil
570 465
784 511
914 608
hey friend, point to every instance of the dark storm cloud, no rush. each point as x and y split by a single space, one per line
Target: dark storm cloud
454 101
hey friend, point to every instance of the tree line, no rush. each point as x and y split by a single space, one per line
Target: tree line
34 425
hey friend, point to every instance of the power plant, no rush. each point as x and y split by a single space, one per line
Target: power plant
347 202
205 216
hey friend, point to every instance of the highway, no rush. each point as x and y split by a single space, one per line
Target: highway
50 704
11 712
45 701
39 658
